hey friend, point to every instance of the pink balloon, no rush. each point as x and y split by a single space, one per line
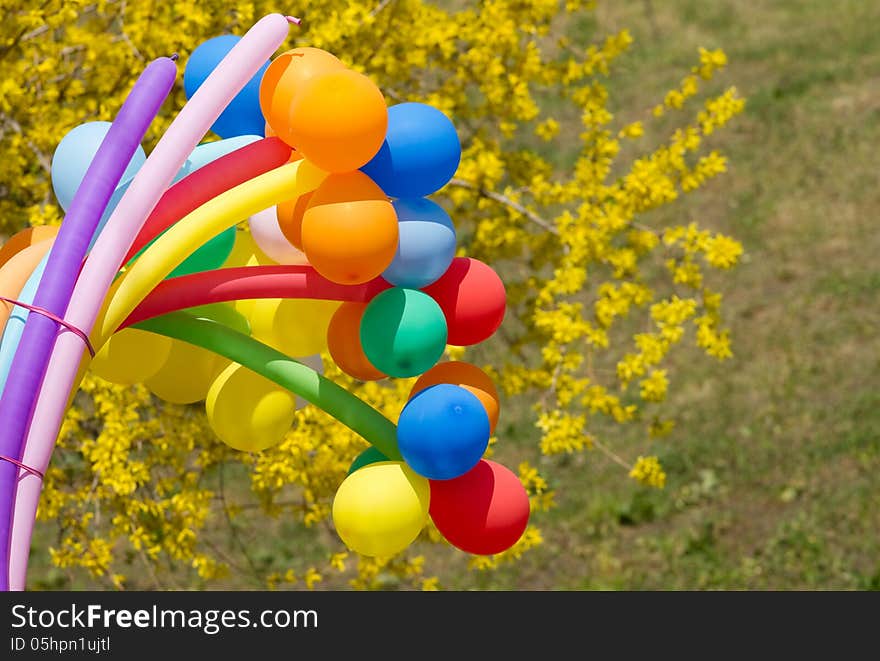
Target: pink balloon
270 239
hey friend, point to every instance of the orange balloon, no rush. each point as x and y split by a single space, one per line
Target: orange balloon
349 229
290 217
344 342
468 376
285 76
338 120
26 237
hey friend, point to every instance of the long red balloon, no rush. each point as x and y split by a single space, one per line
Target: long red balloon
208 182
244 282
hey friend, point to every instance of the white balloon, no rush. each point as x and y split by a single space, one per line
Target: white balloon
271 240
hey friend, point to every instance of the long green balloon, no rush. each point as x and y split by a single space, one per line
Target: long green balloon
286 372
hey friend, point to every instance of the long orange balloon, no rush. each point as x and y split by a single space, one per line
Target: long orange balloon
248 282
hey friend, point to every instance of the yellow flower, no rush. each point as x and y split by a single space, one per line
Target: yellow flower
647 471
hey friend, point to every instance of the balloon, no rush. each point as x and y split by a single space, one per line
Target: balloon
189 371
290 218
211 255
472 298
131 356
242 116
15 274
170 153
186 375
253 281
420 153
286 372
247 411
221 213
74 155
344 342
284 78
380 509
349 230
316 364
294 327
426 246
245 249
485 511
25 238
468 376
369 456
206 153
403 332
338 120
443 432
208 181
267 234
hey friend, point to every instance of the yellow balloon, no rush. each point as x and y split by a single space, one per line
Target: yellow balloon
187 374
245 251
296 327
178 241
380 509
246 306
131 356
247 411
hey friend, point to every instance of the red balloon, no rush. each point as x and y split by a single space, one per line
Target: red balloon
472 297
485 511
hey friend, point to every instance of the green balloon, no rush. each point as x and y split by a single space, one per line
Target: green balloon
403 332
209 256
288 373
222 313
369 456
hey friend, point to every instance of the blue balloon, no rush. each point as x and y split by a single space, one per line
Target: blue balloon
420 154
443 432
243 115
426 245
74 154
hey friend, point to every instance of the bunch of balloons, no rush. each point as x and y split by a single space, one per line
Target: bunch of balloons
306 228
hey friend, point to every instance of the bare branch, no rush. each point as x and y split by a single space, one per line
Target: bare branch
510 204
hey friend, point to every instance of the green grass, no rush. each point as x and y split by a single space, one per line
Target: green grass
774 467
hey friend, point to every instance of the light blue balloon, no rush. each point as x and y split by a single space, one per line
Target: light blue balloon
74 154
426 246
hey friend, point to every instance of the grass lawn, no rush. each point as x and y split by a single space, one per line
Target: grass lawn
774 466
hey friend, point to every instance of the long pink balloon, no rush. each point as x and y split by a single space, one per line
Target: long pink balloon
191 124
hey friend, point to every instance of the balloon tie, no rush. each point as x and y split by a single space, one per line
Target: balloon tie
16 462
173 57
58 320
294 20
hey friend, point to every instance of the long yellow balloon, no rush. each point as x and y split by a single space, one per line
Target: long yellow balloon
283 183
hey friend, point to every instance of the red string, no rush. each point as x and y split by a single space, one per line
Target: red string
58 320
16 462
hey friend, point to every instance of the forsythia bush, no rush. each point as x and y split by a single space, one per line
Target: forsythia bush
137 486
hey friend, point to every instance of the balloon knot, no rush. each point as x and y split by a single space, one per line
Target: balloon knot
174 57
294 20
